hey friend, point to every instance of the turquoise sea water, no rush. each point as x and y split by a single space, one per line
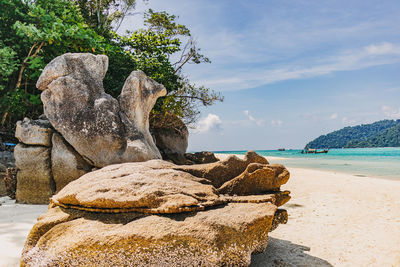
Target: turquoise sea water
375 162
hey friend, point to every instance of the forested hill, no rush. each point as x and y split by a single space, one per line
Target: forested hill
384 133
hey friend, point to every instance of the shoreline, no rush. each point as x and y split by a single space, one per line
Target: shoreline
276 160
335 219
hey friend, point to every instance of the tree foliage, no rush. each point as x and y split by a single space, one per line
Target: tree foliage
32 33
384 133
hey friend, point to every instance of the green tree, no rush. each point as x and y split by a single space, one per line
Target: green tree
32 33
105 15
153 47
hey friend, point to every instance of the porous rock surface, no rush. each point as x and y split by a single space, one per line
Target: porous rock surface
149 187
100 128
156 213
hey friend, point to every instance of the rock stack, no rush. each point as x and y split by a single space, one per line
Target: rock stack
83 128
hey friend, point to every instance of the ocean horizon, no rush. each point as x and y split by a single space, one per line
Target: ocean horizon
369 162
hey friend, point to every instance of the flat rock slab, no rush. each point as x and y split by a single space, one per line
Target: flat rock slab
224 236
144 187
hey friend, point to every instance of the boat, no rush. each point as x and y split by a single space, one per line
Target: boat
314 151
281 149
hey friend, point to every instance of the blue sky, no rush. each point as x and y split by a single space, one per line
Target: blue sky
289 70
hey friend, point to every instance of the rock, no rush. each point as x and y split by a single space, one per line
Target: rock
148 187
257 178
222 171
224 236
155 214
101 129
137 99
3 191
171 137
201 157
66 164
34 182
34 132
10 182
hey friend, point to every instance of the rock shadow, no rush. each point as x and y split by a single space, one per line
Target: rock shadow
284 253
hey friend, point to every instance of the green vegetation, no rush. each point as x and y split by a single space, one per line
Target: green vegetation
384 133
32 33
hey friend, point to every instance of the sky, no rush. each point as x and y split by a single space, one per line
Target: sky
289 70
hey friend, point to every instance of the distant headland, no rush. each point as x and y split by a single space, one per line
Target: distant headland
385 133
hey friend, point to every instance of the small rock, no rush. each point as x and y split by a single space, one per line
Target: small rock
34 132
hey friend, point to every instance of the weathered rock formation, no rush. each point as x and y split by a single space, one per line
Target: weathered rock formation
156 213
83 127
100 128
222 171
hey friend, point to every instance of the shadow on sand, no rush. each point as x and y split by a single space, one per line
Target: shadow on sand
284 253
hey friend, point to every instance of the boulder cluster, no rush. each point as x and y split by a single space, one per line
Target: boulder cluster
114 201
83 128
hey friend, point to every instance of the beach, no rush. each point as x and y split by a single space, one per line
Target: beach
335 219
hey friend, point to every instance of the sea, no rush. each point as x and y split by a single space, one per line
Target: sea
362 162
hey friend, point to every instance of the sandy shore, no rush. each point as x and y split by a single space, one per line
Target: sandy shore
16 220
335 219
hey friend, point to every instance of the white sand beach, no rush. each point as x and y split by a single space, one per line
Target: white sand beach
335 219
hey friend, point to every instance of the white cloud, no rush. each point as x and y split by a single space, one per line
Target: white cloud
364 57
277 123
382 49
333 116
210 123
259 122
392 113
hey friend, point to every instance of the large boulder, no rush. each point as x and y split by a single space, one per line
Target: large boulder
171 137
224 236
34 181
153 213
66 164
103 130
34 132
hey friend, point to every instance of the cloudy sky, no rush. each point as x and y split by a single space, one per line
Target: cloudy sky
289 70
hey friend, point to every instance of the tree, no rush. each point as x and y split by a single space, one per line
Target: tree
153 47
105 15
32 33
